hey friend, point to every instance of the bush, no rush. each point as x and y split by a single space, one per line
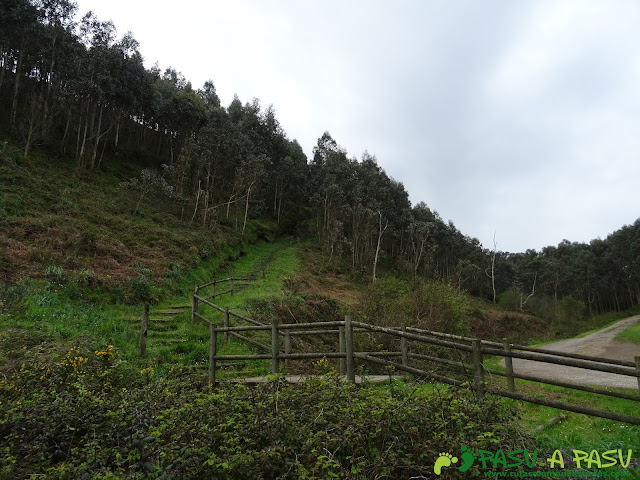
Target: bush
139 291
570 316
86 416
175 272
386 303
441 307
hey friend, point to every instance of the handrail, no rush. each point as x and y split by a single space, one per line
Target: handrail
471 363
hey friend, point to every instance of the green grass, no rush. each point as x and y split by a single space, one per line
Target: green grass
68 315
605 320
631 334
577 431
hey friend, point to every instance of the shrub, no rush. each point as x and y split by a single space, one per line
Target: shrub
385 302
139 291
439 306
175 272
84 416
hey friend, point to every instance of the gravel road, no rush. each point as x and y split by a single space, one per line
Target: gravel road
599 344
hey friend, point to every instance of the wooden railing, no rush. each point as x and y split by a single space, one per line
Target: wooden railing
469 369
235 283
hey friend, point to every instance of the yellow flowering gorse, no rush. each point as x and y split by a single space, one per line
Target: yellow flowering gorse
106 353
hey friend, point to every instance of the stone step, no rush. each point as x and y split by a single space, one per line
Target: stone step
167 327
138 321
164 334
167 342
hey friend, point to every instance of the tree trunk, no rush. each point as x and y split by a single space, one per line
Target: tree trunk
246 210
3 60
52 62
195 210
115 142
279 208
94 152
206 201
66 132
14 104
380 232
34 112
533 292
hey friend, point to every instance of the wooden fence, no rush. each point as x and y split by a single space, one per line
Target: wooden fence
470 351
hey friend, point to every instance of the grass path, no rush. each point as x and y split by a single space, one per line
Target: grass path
172 337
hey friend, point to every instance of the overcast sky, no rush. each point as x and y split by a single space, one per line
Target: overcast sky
519 118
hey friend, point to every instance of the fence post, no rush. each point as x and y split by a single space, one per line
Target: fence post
231 290
213 349
508 363
213 290
348 340
275 340
287 350
343 363
404 347
143 333
194 305
226 324
476 344
638 371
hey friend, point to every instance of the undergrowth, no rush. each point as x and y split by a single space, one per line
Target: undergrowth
83 414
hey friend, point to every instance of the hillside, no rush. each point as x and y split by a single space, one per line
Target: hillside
123 187
76 92
77 265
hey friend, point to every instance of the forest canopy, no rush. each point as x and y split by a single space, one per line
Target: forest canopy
70 86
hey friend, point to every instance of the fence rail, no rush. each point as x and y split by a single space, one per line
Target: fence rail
469 368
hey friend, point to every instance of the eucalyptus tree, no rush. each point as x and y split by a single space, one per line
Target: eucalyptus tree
19 25
58 16
332 176
291 187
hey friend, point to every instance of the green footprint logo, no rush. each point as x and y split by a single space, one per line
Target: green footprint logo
468 457
444 460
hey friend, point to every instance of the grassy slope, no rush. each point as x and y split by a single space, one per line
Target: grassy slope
631 334
76 263
71 246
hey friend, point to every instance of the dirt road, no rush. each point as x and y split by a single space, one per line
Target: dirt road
599 344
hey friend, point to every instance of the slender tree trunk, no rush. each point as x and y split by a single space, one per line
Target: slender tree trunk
3 67
78 158
380 233
279 208
66 132
14 104
195 210
171 145
493 268
206 200
246 210
34 112
533 292
84 138
104 146
94 152
275 198
117 139
52 62
229 205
